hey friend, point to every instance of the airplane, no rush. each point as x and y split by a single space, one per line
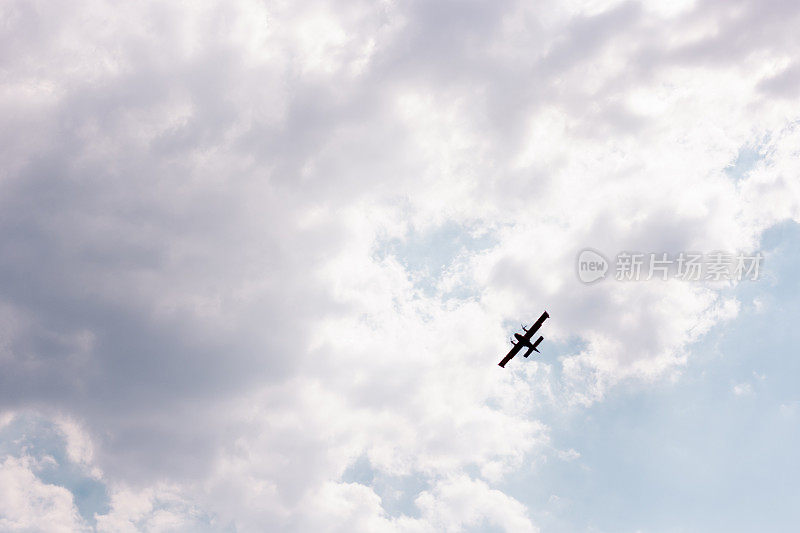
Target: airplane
524 341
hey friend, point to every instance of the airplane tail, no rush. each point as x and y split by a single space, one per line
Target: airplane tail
535 346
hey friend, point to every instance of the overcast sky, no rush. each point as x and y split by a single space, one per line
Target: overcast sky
259 261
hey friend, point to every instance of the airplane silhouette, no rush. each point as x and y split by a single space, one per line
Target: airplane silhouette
524 341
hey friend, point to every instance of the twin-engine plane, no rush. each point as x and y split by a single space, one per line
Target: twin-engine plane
524 341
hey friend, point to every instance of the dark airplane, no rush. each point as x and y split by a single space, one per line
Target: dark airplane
524 341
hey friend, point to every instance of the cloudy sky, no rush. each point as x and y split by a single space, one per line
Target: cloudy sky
259 261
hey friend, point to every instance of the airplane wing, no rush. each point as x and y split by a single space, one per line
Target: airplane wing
514 351
535 327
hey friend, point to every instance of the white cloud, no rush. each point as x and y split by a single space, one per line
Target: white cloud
79 446
158 509
28 504
6 418
461 502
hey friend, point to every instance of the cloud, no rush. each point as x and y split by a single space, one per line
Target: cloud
27 504
195 280
458 503
154 509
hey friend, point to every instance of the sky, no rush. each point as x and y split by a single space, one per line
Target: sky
259 261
